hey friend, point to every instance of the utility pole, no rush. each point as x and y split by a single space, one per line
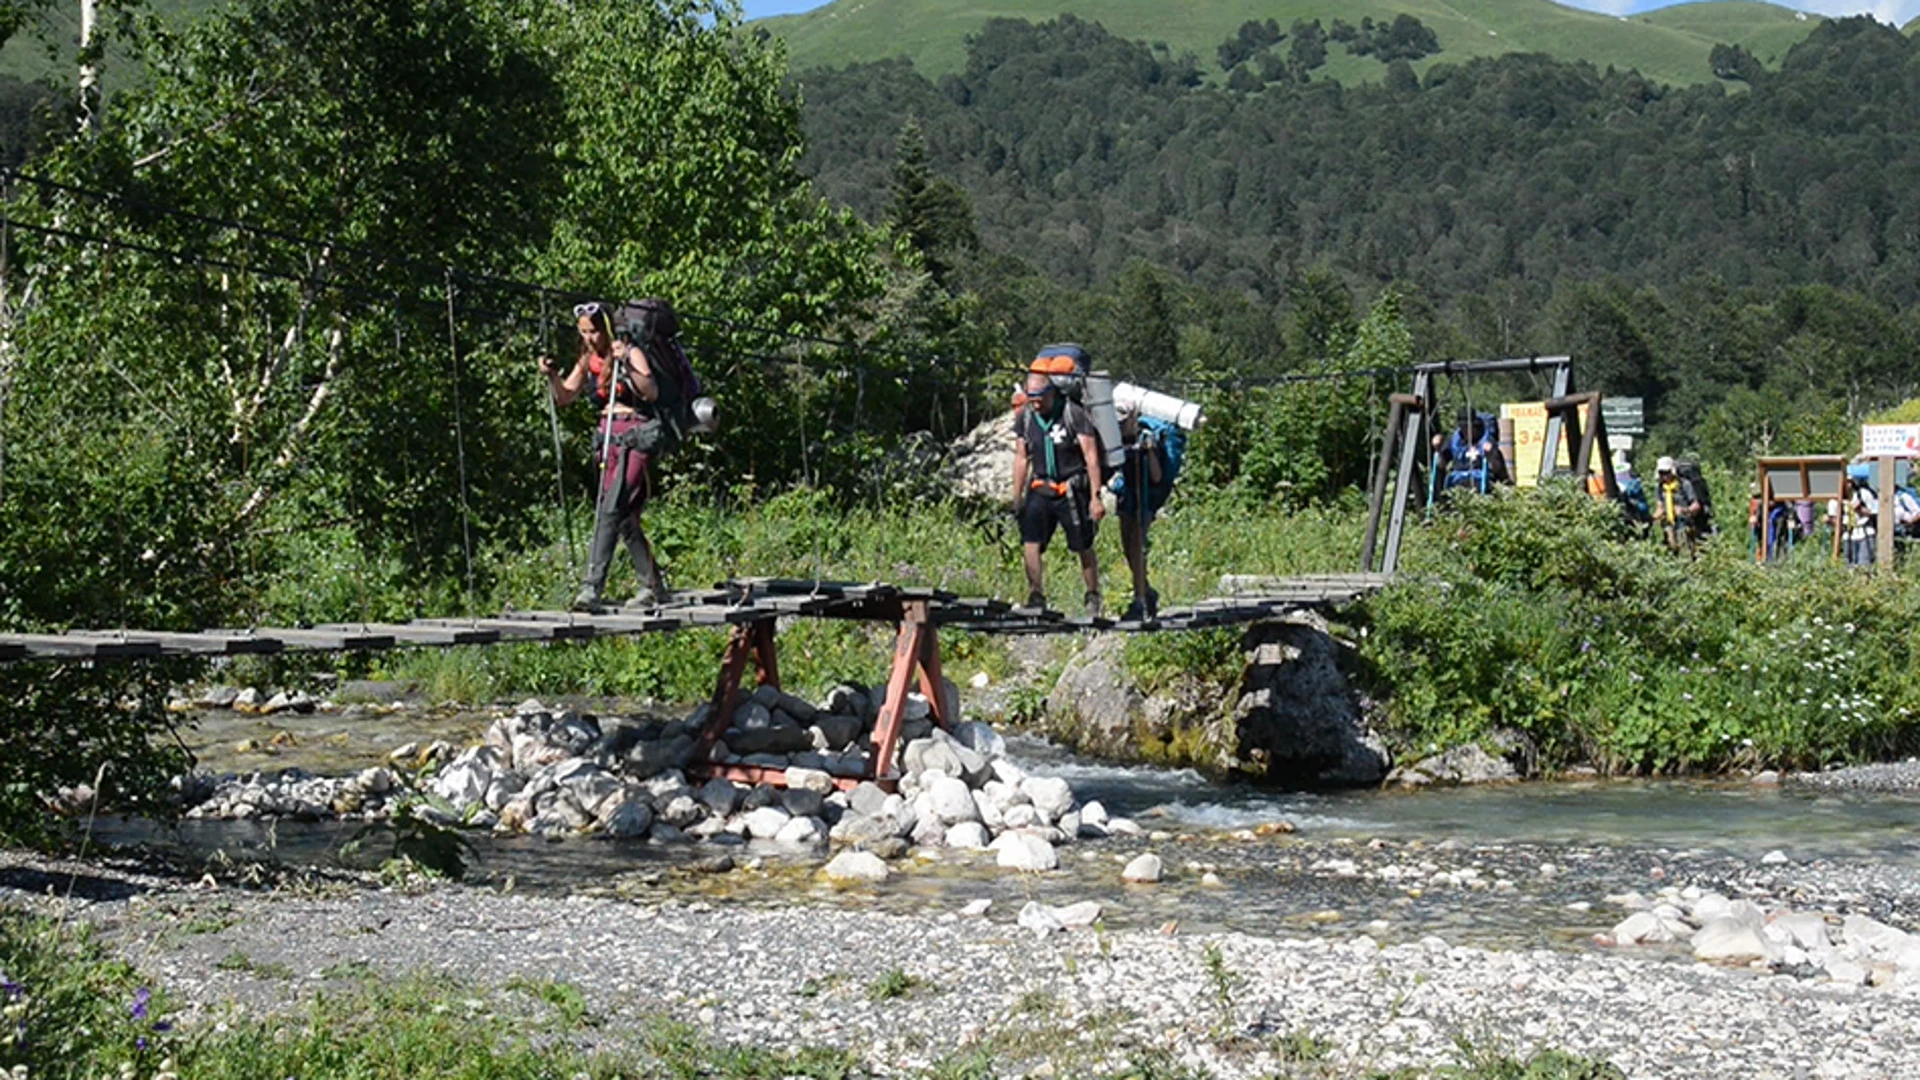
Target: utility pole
89 72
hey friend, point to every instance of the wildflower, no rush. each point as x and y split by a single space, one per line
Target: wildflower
141 998
1686 697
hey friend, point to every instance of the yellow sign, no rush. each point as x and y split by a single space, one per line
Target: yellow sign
1529 421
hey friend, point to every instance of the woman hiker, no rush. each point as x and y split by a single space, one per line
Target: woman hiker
621 382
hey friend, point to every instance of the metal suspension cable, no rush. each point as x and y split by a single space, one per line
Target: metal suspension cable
460 444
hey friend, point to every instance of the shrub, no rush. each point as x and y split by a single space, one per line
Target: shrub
1544 614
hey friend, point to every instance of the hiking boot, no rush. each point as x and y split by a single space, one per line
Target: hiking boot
1136 611
1036 600
1094 605
587 599
1153 602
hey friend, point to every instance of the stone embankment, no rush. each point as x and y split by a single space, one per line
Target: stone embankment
560 773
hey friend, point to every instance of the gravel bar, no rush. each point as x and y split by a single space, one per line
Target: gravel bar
1085 999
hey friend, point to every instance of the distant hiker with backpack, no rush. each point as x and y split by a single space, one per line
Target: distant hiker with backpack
1678 507
1470 456
1633 494
638 403
1056 470
1155 449
1857 516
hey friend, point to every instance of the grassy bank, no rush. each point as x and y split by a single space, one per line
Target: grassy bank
1545 616
75 1011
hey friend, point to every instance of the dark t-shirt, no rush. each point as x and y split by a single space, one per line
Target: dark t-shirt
1061 434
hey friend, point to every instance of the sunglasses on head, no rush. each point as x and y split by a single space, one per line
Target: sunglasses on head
581 311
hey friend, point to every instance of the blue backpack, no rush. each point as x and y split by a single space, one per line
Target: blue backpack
1173 441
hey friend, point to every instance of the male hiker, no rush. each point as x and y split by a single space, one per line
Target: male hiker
1056 470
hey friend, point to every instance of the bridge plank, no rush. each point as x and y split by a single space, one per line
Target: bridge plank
186 644
82 647
416 633
314 639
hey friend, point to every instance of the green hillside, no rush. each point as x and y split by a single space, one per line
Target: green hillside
54 42
1669 45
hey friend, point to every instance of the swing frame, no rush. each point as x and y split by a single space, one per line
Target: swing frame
1410 423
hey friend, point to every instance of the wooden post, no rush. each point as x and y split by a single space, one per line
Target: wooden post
753 641
908 649
1884 541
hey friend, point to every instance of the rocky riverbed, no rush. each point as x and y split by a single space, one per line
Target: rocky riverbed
1046 986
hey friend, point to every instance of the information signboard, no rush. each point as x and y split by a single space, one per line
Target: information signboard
1624 415
1890 440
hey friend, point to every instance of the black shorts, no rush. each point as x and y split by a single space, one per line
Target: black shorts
1072 513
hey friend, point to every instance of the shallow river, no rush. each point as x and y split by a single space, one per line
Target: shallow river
1540 851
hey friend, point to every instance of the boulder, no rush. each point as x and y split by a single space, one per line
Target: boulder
1040 919
1143 870
800 778
1296 714
845 700
721 796
979 462
465 782
836 731
935 752
1642 928
867 797
1466 764
1871 939
623 819
766 822
751 716
1726 939
980 738
1050 795
950 800
1806 929
967 836
802 831
683 811
802 802
648 759
1023 851
789 738
856 866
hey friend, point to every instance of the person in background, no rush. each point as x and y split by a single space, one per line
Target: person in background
1676 507
1633 494
1857 516
1140 488
619 380
1056 470
1470 456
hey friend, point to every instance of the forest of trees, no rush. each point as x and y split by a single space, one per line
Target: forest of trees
1745 255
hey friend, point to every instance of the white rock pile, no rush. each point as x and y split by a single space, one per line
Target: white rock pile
1850 950
556 772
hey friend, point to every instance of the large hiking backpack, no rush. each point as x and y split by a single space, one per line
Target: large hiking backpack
1067 365
653 325
1690 472
1173 439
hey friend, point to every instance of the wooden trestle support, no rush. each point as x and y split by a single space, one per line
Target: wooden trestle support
916 653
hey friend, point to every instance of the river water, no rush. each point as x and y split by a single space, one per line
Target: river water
1539 858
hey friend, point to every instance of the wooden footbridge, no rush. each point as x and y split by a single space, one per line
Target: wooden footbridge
753 608
742 602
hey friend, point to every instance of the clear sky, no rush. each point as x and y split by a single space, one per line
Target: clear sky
1897 12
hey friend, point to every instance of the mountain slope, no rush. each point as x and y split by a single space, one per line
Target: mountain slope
1669 45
